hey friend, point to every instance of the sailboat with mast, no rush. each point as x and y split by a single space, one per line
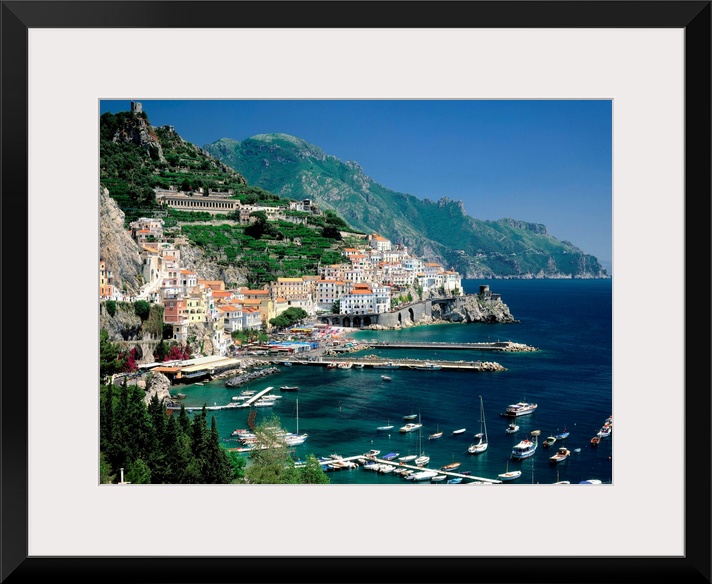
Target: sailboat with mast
423 458
296 439
481 445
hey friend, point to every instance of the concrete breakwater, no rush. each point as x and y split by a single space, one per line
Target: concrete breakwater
240 380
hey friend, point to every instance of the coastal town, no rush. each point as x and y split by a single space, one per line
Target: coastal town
371 280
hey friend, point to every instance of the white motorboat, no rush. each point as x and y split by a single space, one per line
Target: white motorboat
519 409
423 475
512 428
410 427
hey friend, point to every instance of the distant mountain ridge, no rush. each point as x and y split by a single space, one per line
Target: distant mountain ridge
440 230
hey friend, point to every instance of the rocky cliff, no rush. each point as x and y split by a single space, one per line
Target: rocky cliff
116 247
473 308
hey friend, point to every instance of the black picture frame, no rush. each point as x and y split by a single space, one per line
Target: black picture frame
19 16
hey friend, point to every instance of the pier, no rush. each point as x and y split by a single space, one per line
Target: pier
452 474
249 401
232 405
496 346
409 364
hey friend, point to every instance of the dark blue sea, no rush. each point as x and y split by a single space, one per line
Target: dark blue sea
569 377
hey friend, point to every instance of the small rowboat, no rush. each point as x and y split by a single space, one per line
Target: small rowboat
459 431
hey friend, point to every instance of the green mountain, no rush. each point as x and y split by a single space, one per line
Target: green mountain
437 230
137 158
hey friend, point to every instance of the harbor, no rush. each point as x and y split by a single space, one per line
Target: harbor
347 410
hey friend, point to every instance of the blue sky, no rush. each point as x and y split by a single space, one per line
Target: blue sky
542 161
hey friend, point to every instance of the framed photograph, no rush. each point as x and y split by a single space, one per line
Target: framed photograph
649 59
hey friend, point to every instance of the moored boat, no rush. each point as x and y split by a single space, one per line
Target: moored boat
289 388
550 441
407 458
427 367
459 431
481 444
423 475
525 448
509 475
386 378
385 428
410 427
512 428
605 430
562 435
562 454
435 435
386 365
452 465
519 409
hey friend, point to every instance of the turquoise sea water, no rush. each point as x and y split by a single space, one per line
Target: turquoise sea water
569 377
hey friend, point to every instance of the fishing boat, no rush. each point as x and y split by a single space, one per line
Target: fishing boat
481 444
511 429
459 431
595 440
331 366
358 365
386 365
526 448
519 409
386 378
509 475
562 454
289 388
345 365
